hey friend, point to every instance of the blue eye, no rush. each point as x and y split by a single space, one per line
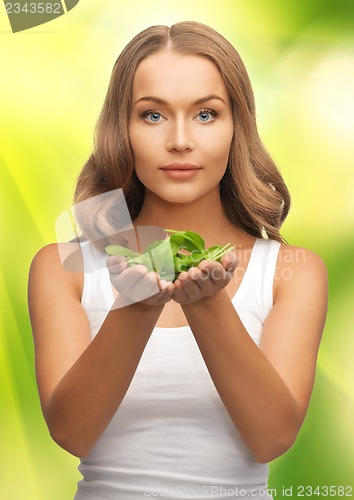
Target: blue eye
155 117
152 116
204 116
207 115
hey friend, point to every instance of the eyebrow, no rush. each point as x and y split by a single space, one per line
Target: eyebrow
207 98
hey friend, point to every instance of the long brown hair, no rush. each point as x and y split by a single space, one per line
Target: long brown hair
253 193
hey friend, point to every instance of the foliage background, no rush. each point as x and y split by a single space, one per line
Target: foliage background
300 56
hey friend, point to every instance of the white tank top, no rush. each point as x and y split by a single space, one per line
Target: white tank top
172 437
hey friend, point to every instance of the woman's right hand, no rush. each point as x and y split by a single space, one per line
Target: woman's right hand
137 284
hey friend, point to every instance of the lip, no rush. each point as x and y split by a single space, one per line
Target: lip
181 170
181 166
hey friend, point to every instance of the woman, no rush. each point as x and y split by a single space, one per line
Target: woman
191 389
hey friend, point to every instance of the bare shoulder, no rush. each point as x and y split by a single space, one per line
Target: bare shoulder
60 326
293 329
59 254
299 269
59 263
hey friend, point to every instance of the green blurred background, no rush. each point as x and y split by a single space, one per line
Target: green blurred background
53 79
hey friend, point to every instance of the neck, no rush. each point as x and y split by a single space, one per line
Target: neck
204 216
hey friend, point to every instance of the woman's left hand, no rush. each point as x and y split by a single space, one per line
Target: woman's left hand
205 280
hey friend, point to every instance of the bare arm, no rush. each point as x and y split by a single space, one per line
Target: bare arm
266 391
78 377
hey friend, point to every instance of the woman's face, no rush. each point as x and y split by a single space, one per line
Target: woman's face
180 126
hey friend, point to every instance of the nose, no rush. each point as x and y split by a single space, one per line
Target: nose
179 137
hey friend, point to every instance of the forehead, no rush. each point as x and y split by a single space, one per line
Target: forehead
170 76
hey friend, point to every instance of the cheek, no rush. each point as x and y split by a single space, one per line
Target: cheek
142 144
219 145
137 144
144 155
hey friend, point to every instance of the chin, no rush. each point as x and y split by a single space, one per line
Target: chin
179 196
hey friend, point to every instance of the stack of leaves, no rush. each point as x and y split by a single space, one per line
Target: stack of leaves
169 257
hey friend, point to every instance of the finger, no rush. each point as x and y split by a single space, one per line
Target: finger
116 259
179 294
201 277
162 285
156 288
116 264
229 261
215 273
194 273
149 284
165 285
190 285
165 296
126 281
161 298
210 267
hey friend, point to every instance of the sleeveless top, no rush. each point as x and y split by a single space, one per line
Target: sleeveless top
172 437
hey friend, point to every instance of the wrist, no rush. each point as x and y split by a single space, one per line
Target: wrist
122 302
147 308
211 301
